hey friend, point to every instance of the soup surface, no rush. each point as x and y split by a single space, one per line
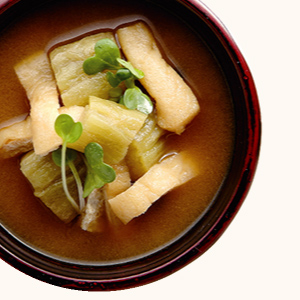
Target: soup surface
209 138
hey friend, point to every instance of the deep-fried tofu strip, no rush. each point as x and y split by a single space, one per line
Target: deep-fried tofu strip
118 186
74 111
16 139
172 172
122 181
175 102
36 76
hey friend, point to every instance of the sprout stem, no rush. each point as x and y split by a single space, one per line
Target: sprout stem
64 177
79 185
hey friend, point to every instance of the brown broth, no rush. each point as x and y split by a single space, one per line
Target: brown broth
209 138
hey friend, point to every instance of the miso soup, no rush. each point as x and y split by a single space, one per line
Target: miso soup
209 138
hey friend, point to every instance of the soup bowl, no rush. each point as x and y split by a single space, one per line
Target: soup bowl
212 223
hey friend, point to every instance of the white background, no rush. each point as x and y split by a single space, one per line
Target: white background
258 256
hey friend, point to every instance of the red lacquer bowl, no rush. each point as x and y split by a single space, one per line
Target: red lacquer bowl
216 219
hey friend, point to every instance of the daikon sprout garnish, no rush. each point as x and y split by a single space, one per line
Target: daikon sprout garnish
107 57
98 173
70 132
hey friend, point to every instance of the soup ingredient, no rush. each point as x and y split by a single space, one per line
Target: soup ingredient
16 139
119 185
122 181
45 178
148 146
175 102
70 157
98 173
134 98
93 218
105 58
97 209
70 132
36 76
111 125
108 57
171 172
75 112
75 86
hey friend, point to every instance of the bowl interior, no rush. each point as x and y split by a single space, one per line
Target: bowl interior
209 227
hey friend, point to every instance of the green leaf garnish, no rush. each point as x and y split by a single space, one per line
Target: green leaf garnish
135 72
112 79
134 98
70 132
123 74
71 156
108 52
67 129
93 65
115 92
98 173
107 57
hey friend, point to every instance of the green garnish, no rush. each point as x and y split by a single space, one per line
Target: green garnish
108 57
71 156
127 65
70 132
135 99
98 173
106 54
